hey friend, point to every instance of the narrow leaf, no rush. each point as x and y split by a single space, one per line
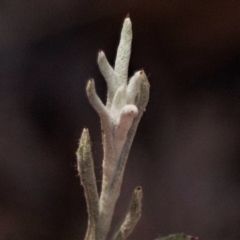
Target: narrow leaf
132 217
88 180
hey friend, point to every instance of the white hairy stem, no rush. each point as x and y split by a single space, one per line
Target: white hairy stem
109 75
133 87
96 101
128 113
126 102
124 52
107 127
119 101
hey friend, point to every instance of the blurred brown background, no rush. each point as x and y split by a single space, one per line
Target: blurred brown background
186 154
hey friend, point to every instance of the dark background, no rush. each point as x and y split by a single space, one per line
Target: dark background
186 154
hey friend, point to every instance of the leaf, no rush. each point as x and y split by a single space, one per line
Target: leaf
178 236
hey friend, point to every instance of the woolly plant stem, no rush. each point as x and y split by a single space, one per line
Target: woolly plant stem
126 102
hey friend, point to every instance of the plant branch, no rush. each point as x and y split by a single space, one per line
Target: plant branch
126 102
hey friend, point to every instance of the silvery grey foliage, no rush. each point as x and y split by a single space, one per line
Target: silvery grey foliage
178 236
126 102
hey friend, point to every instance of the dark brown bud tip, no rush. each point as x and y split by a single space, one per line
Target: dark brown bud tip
193 238
127 16
138 188
99 51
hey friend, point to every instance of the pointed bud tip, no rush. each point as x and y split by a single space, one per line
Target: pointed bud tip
138 188
100 55
90 88
90 81
100 52
84 133
193 238
127 16
85 138
85 130
138 193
